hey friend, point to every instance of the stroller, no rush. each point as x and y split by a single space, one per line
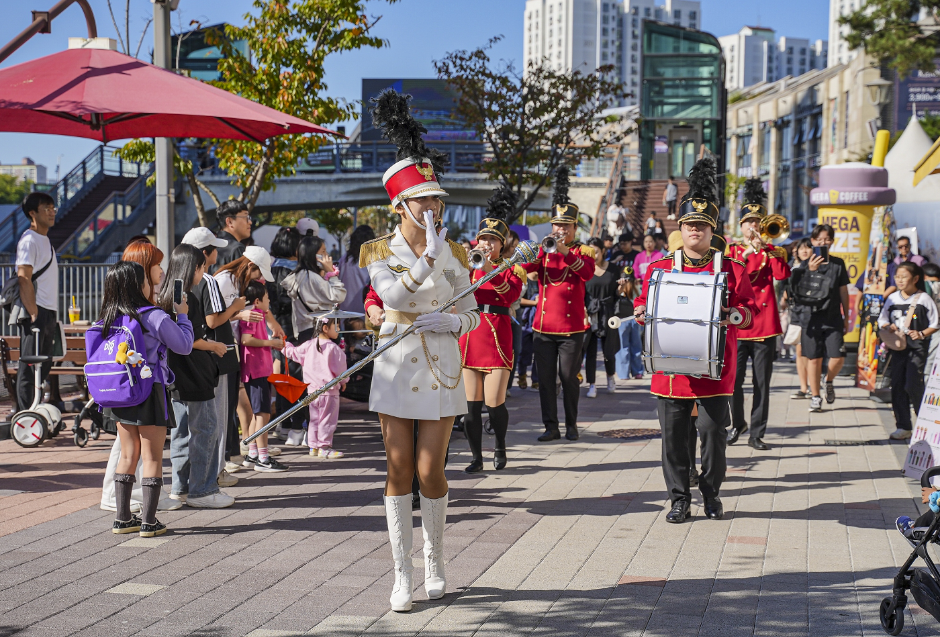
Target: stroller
923 584
98 424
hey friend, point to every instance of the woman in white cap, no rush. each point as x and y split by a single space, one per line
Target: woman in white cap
414 271
233 278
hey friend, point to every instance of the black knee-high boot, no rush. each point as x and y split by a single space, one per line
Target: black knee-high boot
473 428
499 419
123 485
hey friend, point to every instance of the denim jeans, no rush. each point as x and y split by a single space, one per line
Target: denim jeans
194 448
630 357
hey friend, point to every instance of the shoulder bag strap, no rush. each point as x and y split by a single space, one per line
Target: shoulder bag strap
910 311
38 274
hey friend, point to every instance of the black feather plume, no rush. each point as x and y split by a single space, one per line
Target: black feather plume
560 196
702 179
502 204
392 114
754 191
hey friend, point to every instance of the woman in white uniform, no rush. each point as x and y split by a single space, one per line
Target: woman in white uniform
415 270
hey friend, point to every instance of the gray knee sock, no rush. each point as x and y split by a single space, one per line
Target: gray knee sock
151 489
123 485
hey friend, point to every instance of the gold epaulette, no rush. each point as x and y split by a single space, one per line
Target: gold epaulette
375 250
459 253
519 272
733 260
587 251
780 252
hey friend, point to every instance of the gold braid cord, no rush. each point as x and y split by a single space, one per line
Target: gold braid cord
460 254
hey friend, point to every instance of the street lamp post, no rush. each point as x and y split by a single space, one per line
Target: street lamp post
163 166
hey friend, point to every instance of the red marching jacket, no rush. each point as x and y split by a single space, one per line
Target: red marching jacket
561 308
763 268
740 297
489 346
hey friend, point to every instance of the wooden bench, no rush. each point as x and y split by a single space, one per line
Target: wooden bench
74 354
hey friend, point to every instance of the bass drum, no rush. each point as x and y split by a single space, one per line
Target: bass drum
683 333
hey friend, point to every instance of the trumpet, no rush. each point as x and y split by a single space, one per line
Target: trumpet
550 244
774 229
477 258
526 252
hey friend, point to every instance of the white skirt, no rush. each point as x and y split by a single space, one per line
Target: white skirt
409 383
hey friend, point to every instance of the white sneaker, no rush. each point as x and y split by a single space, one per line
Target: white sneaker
231 465
592 392
274 451
611 384
178 496
243 448
295 437
169 504
106 506
900 434
218 500
227 480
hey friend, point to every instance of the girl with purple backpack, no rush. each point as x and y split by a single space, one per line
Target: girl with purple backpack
143 428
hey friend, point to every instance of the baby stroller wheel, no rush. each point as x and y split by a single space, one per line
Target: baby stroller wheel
95 431
892 619
81 437
488 427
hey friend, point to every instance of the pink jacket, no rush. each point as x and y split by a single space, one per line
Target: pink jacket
319 367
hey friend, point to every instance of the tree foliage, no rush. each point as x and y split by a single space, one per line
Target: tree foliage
290 41
888 30
12 190
534 121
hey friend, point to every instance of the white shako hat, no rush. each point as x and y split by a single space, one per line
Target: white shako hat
407 179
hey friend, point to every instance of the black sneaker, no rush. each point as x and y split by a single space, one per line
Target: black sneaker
800 395
129 526
830 393
250 461
152 530
271 466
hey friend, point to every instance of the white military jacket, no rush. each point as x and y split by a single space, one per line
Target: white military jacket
420 377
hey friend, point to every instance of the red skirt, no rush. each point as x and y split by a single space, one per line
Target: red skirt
489 346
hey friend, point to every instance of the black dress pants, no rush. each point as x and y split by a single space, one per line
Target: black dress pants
608 343
25 383
762 354
712 424
906 371
562 353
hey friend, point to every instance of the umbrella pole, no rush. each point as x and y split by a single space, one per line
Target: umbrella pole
163 146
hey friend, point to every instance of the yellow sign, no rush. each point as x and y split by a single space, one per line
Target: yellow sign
852 225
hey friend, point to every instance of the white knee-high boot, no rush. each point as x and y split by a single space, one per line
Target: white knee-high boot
400 532
433 517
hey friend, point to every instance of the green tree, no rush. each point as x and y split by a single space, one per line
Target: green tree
12 190
533 121
290 41
888 30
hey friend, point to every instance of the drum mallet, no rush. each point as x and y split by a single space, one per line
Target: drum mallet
614 322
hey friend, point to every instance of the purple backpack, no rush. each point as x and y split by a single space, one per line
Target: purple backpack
112 383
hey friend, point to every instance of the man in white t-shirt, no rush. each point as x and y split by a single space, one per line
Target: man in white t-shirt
615 220
38 273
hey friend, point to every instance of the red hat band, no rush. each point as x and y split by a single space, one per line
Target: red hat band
407 179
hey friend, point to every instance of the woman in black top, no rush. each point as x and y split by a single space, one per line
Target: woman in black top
799 314
600 298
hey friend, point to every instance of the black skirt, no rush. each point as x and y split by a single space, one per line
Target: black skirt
156 410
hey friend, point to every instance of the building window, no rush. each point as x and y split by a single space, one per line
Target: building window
633 57
634 10
693 15
677 14
636 22
604 31
604 55
845 134
692 25
646 11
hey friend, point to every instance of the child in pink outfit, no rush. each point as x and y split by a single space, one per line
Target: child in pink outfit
322 360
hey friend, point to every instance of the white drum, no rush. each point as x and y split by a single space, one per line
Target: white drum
683 333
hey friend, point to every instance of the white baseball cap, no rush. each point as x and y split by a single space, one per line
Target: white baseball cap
260 257
306 224
203 238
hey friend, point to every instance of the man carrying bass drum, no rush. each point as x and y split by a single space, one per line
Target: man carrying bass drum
679 394
764 264
563 267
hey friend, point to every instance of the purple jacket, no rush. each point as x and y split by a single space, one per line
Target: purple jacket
162 332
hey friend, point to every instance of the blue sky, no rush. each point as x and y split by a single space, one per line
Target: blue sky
445 25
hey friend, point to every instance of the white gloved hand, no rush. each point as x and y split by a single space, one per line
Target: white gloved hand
436 242
437 322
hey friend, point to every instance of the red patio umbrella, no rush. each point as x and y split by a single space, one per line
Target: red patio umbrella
106 95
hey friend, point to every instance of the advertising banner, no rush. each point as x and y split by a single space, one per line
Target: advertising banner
871 354
925 441
852 229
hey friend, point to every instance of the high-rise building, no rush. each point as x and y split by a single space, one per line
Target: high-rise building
26 170
839 52
752 56
587 34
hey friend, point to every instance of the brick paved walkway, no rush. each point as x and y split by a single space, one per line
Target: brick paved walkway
569 540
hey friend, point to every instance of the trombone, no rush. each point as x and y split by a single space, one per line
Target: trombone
526 252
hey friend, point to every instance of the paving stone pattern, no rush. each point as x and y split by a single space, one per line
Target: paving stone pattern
569 540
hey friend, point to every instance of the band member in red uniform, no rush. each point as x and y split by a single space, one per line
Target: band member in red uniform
765 264
561 316
487 350
677 393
